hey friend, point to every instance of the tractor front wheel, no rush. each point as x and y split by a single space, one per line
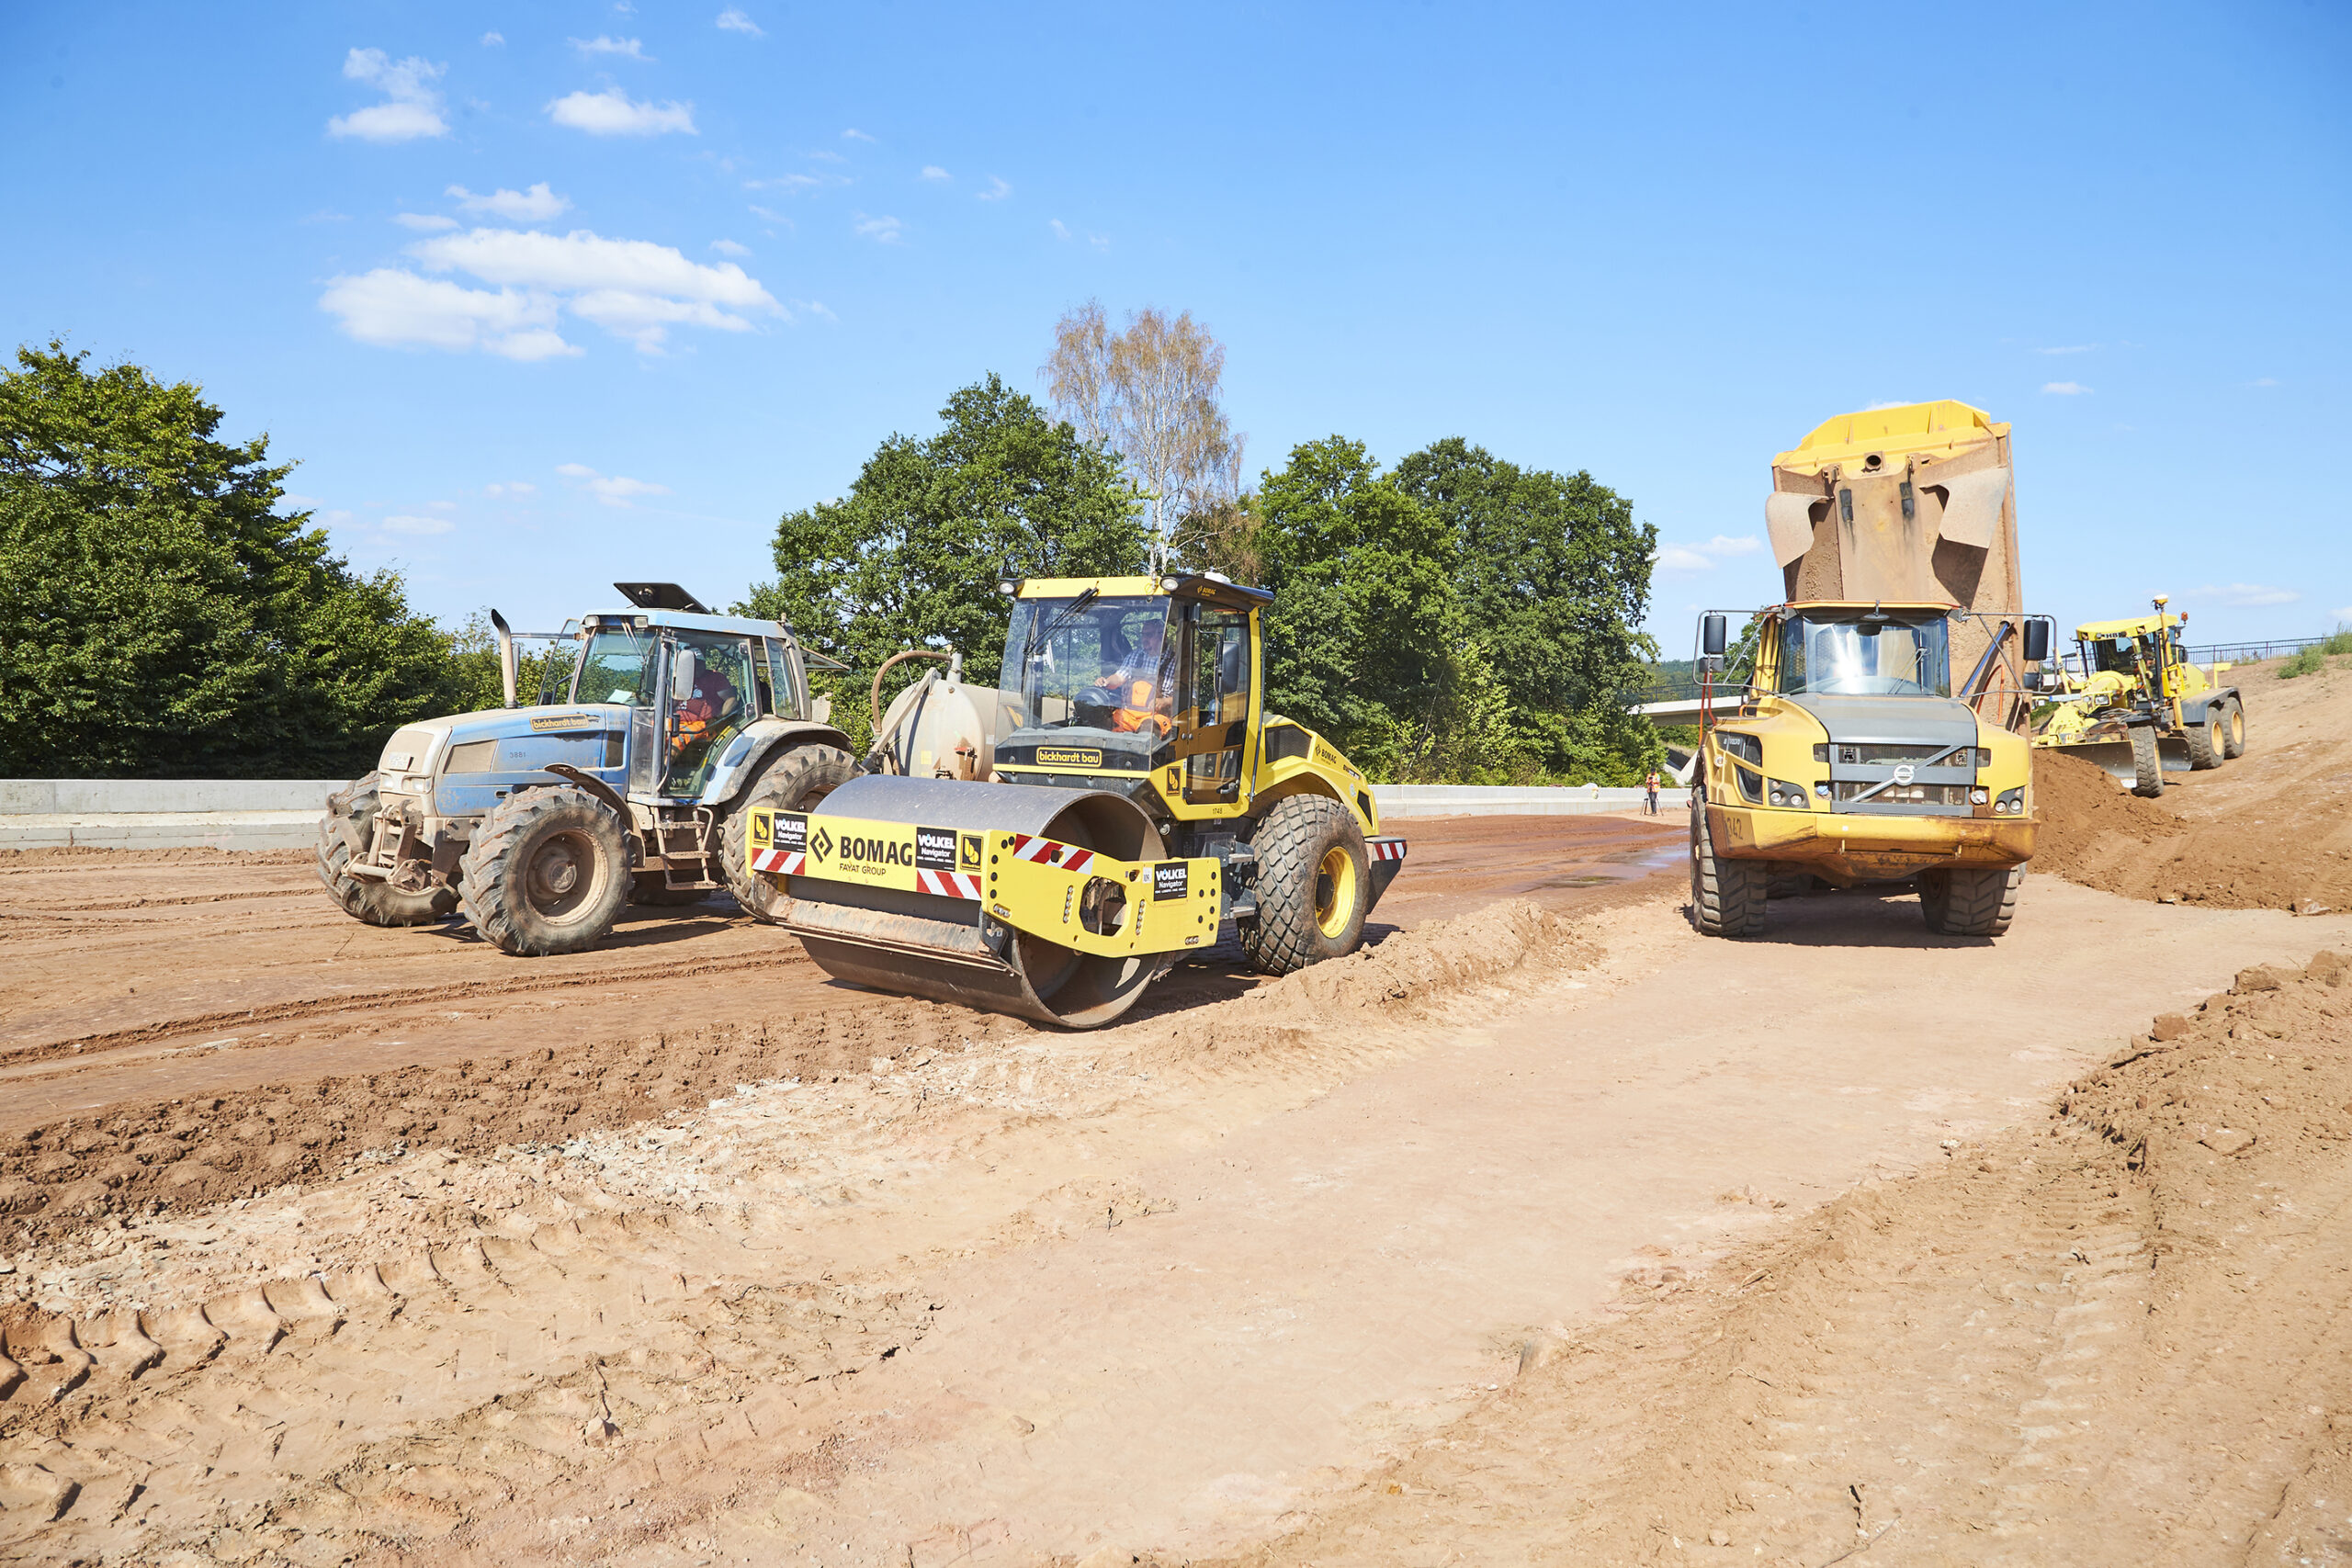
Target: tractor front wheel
795 781
351 813
546 871
1314 884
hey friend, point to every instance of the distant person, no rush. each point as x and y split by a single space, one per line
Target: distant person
1650 784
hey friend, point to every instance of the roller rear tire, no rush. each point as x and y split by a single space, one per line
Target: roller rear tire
547 873
1727 896
796 781
1314 884
351 813
1969 900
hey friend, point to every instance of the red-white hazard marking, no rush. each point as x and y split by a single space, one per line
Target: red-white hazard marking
783 863
949 884
1386 849
1069 857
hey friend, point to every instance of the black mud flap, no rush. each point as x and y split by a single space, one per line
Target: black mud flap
1388 855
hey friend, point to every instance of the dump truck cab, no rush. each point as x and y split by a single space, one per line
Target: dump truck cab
2138 707
657 717
1841 748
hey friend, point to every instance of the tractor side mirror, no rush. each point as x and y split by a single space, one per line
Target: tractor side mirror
682 674
2037 640
1713 635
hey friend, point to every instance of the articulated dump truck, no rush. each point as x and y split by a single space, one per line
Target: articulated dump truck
1837 746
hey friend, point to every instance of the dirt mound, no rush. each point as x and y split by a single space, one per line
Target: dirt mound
2289 849
1424 968
2115 1337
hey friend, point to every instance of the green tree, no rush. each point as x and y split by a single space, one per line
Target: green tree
160 616
1553 574
912 557
1363 614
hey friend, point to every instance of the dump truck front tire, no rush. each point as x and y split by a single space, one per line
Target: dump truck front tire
2233 730
369 899
2205 743
2147 765
1727 896
1314 884
796 781
547 873
1969 900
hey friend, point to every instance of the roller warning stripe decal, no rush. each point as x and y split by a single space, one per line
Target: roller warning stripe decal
1069 857
947 883
781 863
1386 849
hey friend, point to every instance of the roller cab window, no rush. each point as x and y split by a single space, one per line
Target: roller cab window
1093 663
1886 654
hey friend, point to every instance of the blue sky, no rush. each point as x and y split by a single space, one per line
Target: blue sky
546 296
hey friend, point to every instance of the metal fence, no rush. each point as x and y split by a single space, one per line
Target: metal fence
2251 652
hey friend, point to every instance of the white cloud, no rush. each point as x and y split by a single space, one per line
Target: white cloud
881 231
431 223
730 248
614 113
1723 544
814 307
1674 558
933 171
614 490
1060 231
633 288
998 190
1705 558
2247 595
511 487
536 205
626 47
734 21
441 506
791 185
399 309
492 40
2065 389
853 134
403 524
412 108
827 155
2069 348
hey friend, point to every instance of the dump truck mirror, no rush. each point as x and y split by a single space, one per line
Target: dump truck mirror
682 674
1711 636
2036 641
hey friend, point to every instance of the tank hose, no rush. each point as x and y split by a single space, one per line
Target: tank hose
875 699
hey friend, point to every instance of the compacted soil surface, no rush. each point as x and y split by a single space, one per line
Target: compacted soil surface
1543 1231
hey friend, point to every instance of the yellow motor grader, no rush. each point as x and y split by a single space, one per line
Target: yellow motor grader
1050 845
2138 707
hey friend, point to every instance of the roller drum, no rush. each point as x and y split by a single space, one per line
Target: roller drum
925 945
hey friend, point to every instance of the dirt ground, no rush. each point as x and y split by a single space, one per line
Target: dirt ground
1544 1230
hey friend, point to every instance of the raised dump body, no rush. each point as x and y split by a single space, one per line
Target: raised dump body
1911 503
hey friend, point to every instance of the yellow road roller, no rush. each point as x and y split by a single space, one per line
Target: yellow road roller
1050 846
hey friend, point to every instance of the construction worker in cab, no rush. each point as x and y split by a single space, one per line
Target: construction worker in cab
1137 686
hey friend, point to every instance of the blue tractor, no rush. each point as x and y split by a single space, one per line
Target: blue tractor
656 725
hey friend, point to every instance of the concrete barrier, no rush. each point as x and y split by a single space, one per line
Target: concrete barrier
1402 801
156 814
271 814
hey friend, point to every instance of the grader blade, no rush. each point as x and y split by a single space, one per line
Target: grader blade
1058 905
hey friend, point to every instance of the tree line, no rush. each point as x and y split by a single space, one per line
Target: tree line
1453 616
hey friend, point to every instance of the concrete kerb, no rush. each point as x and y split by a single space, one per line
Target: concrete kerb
1399 802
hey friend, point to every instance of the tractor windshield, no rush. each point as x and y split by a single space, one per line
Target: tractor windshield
616 667
1897 655
1092 663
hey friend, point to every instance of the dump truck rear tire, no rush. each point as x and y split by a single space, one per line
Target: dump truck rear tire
1969 900
2147 765
546 871
1314 884
1727 896
2205 746
795 781
369 899
2233 730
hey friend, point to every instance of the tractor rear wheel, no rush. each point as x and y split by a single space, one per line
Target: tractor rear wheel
369 899
2233 730
1314 884
2147 766
1969 900
2205 743
795 781
546 871
1727 896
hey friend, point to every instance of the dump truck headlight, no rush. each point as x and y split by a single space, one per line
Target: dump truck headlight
1779 791
2012 802
1979 796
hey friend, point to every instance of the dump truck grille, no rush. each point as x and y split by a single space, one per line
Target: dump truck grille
1905 794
